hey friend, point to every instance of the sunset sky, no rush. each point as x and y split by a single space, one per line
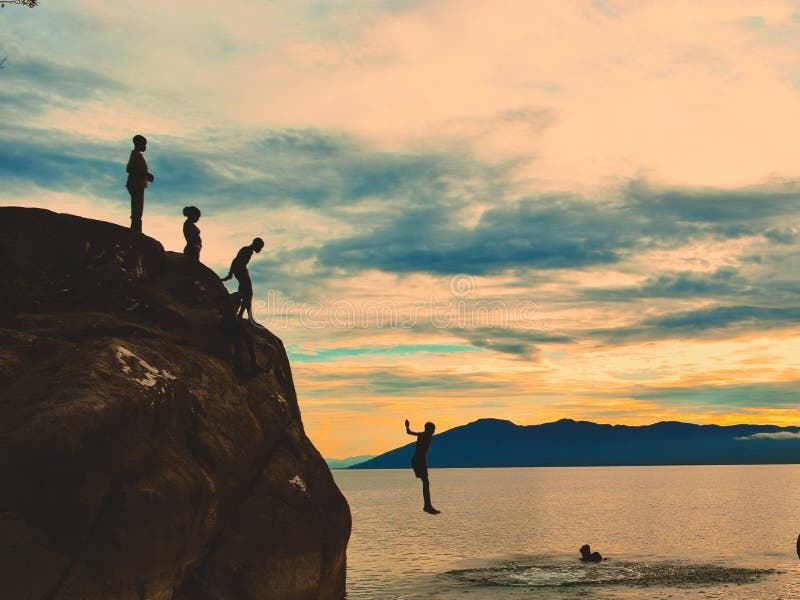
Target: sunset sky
513 209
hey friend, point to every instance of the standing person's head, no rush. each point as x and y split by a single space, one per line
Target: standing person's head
140 143
257 245
192 213
430 427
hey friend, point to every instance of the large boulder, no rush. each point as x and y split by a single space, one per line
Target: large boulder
134 462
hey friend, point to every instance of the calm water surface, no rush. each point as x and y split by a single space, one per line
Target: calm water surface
669 532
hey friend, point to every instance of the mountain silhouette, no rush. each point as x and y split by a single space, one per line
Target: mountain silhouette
344 463
567 443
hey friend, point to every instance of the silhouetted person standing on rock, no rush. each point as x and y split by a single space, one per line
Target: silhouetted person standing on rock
192 233
138 177
239 270
419 462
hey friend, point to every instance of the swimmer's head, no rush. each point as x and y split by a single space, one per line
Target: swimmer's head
585 549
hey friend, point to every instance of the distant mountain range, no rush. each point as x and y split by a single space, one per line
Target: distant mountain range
566 443
344 463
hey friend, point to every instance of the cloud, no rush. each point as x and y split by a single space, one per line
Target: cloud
546 232
56 164
523 344
725 210
723 282
333 354
705 322
568 231
756 395
782 236
402 381
776 435
33 87
52 79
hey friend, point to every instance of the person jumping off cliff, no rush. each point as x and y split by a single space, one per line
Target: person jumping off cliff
239 270
138 176
419 463
192 233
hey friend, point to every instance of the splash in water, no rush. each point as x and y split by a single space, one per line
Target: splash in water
552 574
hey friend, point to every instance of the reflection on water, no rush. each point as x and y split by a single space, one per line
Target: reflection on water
669 532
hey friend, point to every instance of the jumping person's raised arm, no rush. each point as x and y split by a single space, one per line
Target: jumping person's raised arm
408 431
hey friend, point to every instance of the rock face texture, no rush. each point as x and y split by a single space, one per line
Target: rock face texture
134 462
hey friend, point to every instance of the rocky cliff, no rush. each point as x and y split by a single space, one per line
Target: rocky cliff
134 462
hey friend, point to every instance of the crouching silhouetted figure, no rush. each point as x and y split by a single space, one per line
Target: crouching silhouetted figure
192 233
239 270
235 333
588 556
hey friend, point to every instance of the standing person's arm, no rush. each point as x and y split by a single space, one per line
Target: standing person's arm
236 264
231 270
147 174
229 275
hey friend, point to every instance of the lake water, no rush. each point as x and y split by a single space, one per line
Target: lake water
667 532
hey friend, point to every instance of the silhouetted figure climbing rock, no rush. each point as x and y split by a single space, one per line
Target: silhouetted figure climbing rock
235 333
138 177
588 556
192 233
239 270
419 462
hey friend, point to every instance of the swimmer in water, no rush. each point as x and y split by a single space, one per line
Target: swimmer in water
588 556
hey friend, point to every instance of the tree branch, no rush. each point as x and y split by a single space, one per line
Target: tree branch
28 3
